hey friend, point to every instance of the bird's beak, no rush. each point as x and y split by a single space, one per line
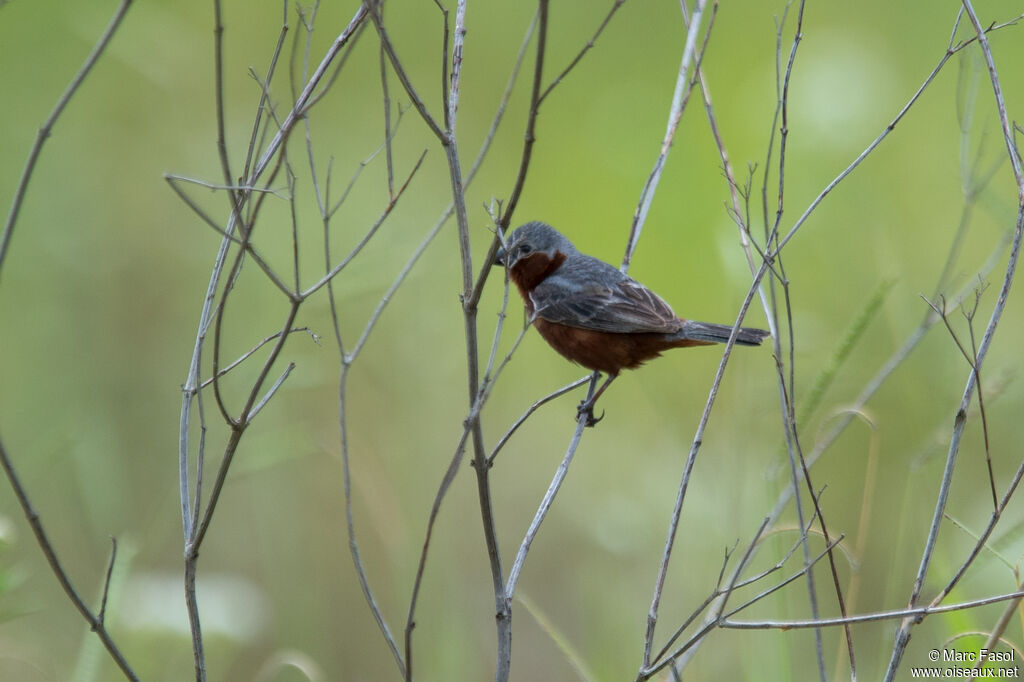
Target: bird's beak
499 258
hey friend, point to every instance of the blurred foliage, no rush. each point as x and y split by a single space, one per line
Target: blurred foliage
101 292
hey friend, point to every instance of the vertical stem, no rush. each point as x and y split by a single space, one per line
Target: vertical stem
449 139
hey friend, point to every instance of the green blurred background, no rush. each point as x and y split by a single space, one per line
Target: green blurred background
101 292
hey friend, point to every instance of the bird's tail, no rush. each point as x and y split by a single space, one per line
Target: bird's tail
708 332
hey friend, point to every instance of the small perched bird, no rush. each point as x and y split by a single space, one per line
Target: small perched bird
593 314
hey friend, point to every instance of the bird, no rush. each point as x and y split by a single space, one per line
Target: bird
593 314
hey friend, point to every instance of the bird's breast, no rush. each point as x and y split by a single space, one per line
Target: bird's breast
529 271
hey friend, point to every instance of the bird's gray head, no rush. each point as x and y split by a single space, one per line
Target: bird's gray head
532 238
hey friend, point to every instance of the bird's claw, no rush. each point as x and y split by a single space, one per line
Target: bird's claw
586 408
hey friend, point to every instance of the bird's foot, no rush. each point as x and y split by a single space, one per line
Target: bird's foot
586 408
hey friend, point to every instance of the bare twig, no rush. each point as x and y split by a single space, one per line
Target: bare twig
903 633
353 545
502 607
918 614
349 358
435 508
679 99
680 96
549 496
448 139
915 337
530 410
245 415
190 389
403 77
387 113
196 520
531 127
996 634
218 88
265 93
972 360
982 540
249 353
579 55
666 658
326 212
101 617
312 289
951 50
691 458
786 386
269 394
306 98
481 155
96 623
47 127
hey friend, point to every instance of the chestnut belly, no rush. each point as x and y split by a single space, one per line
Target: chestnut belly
608 352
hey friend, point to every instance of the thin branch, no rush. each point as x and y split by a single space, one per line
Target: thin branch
190 388
680 97
389 163
96 624
775 588
245 356
353 545
214 314
915 337
691 458
101 617
950 51
332 79
481 155
530 410
435 508
903 634
293 214
541 21
232 187
997 92
385 41
445 42
392 202
727 592
995 636
245 415
549 496
270 393
327 210
306 99
786 391
743 224
324 202
971 357
579 55
721 595
666 658
265 93
983 538
218 89
918 613
47 127
981 398
349 358
502 608
488 380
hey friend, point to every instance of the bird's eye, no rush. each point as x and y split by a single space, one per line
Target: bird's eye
525 249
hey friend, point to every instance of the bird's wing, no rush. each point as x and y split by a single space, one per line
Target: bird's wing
624 306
